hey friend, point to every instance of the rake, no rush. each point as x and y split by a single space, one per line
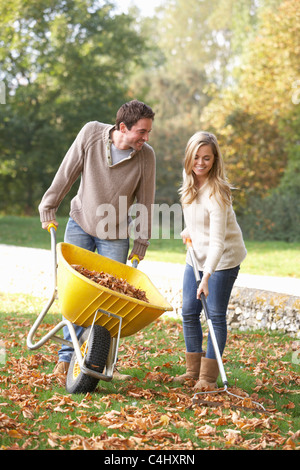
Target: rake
197 396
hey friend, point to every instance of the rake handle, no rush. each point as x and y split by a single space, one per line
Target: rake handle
206 312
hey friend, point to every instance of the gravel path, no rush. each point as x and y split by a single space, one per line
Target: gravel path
29 271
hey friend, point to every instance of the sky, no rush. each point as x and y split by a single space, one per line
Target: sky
147 7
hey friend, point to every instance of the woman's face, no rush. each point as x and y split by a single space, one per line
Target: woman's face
203 162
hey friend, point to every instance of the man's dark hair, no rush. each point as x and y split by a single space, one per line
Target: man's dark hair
132 112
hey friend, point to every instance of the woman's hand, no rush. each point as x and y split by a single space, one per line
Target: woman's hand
185 236
203 287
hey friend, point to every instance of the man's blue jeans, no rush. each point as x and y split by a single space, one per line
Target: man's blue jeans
113 249
220 285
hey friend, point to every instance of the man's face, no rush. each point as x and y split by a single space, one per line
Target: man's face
138 134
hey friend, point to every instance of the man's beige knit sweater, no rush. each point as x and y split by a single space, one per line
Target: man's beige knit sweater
106 191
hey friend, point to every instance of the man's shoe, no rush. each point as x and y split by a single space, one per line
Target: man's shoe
118 376
61 368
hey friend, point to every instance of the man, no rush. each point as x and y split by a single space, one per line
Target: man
117 168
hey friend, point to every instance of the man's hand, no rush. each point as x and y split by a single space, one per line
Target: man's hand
46 224
132 254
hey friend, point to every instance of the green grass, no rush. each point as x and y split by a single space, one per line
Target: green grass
150 411
266 258
27 231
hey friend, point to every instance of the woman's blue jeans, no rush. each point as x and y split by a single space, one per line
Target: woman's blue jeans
220 285
113 249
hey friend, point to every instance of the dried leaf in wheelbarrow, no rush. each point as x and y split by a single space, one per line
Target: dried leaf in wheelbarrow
112 282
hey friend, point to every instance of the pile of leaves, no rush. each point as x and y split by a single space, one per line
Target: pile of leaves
149 412
112 282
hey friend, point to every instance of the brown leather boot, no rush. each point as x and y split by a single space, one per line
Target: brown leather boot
193 362
209 372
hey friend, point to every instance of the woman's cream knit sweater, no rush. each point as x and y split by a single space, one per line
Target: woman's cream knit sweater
216 236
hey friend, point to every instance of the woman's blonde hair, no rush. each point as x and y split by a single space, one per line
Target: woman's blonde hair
216 177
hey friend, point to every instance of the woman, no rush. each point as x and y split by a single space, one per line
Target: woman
219 249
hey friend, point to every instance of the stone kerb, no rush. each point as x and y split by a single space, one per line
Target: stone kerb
251 309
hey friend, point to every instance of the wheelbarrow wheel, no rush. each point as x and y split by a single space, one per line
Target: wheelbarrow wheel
97 353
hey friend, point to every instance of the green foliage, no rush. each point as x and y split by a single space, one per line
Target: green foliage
223 71
226 66
256 116
63 63
277 217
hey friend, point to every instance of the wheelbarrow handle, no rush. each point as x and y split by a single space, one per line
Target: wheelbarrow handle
135 261
52 230
50 226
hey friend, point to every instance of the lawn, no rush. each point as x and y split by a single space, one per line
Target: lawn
150 411
267 258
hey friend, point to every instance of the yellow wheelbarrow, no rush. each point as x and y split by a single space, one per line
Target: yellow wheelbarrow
107 315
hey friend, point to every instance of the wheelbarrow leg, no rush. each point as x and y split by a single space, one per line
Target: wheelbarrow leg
114 346
112 358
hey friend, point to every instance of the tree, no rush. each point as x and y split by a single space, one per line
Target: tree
197 45
255 116
64 62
